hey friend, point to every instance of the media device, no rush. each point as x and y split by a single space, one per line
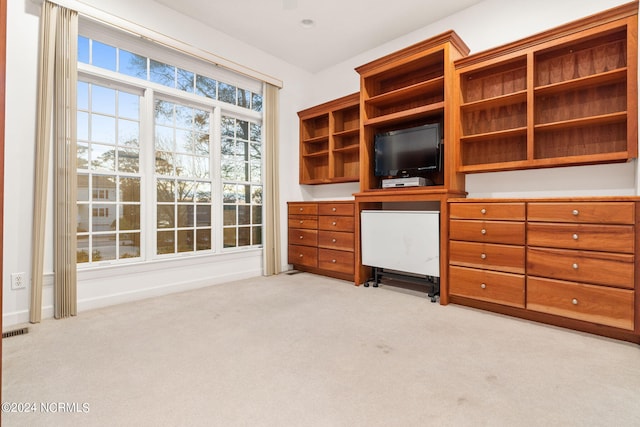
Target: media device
408 152
413 181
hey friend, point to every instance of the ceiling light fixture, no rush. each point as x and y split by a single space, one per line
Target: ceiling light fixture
307 23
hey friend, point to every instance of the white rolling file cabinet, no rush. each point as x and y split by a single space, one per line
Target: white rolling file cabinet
397 242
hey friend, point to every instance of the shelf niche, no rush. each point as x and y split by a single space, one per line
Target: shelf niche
567 96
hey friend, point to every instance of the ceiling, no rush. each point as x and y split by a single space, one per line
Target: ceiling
341 28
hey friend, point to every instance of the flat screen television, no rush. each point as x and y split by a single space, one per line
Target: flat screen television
408 152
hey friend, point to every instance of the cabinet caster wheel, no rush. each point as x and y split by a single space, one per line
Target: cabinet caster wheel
366 284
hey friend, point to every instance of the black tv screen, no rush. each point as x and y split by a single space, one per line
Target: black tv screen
408 152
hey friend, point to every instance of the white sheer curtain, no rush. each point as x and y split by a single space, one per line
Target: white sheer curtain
271 223
56 122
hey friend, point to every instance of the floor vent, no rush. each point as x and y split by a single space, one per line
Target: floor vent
15 332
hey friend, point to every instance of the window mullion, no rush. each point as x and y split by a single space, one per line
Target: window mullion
216 196
147 166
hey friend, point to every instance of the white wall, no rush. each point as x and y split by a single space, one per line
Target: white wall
133 281
486 25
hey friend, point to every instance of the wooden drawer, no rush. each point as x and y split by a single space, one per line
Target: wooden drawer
301 236
487 255
486 285
605 238
336 223
589 267
501 211
303 208
338 261
336 240
591 303
300 221
336 209
488 231
303 255
585 212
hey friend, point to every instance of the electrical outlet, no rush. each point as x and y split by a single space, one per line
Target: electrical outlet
18 281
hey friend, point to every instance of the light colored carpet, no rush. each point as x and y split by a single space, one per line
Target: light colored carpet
305 350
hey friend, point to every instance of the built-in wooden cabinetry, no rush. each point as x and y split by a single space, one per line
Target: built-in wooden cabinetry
569 262
487 252
567 96
321 237
410 87
330 141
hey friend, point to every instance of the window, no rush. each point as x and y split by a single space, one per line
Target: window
169 153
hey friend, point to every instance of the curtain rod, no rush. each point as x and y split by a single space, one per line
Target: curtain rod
138 30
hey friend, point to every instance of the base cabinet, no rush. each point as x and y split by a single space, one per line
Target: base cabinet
577 267
321 238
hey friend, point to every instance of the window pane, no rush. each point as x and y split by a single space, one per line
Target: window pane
229 215
229 193
82 119
129 245
103 217
201 167
129 160
203 216
82 193
83 49
185 191
185 241
242 129
244 236
184 141
185 215
104 247
256 194
83 156
244 98
203 192
165 190
229 236
184 165
83 218
256 235
164 138
83 96
184 116
227 93
228 127
244 215
185 80
128 132
103 100
165 242
166 216
82 252
201 141
164 113
129 105
103 56
256 102
130 219
164 163
161 73
133 65
102 157
103 129
206 87
257 215
203 239
256 132
129 189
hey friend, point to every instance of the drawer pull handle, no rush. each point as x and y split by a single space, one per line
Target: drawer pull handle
300 255
333 223
301 221
574 301
483 286
483 256
483 211
301 237
333 240
575 212
333 209
575 237
333 261
483 231
301 209
575 266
